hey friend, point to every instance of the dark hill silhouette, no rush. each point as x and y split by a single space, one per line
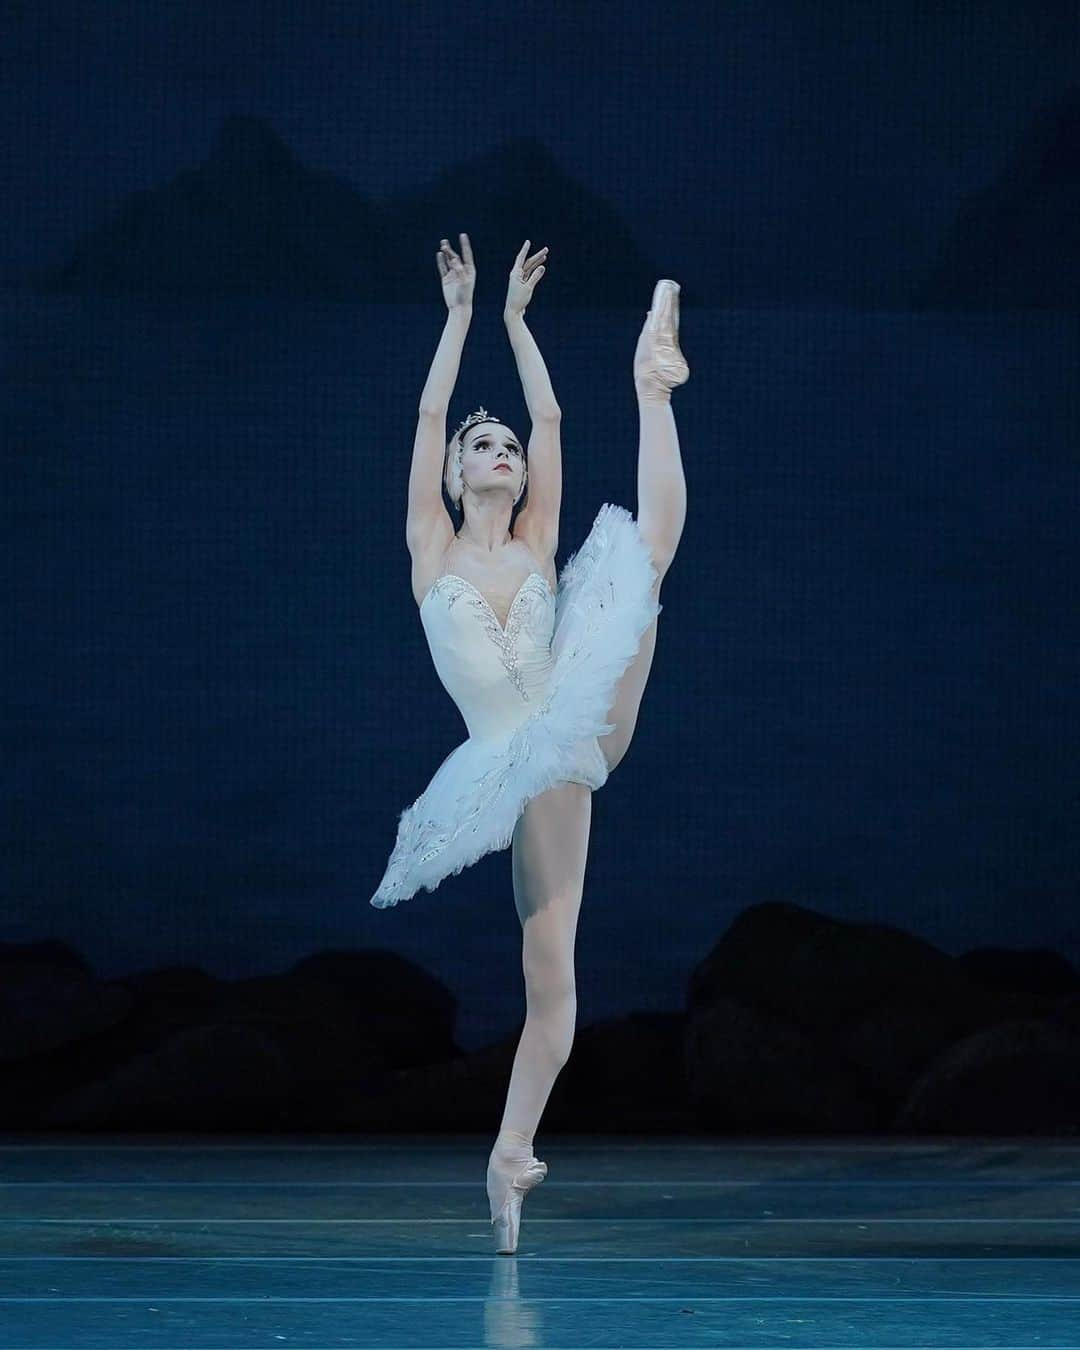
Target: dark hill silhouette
249 220
1016 243
501 198
252 220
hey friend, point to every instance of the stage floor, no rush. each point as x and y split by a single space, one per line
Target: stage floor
200 1242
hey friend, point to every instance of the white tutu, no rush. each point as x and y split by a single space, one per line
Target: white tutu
534 695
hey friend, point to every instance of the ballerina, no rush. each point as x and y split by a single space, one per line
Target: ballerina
548 670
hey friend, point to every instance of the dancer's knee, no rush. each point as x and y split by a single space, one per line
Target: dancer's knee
551 1009
547 951
550 993
661 555
557 1035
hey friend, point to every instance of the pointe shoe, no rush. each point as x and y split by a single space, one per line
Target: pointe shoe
659 364
508 1220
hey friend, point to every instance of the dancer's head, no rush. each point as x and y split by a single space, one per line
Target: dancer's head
473 456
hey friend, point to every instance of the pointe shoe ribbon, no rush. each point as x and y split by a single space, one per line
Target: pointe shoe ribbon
659 364
507 1222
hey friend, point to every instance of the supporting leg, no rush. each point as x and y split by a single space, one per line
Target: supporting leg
550 849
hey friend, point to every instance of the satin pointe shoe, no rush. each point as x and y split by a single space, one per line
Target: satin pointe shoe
507 1222
659 364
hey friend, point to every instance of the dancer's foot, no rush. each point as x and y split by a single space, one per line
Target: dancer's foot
513 1171
659 364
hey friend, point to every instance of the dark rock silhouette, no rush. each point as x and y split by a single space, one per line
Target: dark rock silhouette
624 1076
752 1070
1016 243
251 220
51 1000
462 1094
222 1072
795 1021
1021 1074
180 1044
1027 972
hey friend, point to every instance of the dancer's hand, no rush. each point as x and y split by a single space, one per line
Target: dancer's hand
458 274
524 275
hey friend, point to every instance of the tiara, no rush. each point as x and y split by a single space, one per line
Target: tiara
480 415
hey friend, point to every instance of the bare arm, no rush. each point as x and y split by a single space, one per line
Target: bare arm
427 518
435 398
535 381
429 447
538 520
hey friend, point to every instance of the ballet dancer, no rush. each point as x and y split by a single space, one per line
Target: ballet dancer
548 671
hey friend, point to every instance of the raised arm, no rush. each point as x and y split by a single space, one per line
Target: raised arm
538 520
427 521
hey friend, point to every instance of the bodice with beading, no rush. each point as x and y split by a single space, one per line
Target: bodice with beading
495 674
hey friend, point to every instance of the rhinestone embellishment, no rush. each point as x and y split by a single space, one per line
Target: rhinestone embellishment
505 639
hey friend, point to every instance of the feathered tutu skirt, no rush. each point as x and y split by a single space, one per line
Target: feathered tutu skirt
603 605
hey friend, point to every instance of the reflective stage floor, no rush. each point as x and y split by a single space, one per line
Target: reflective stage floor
217 1243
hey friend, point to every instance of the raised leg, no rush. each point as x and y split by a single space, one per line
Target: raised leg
661 516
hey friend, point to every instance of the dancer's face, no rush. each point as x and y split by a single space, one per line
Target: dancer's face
488 447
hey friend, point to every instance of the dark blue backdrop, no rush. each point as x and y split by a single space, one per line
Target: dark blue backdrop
220 307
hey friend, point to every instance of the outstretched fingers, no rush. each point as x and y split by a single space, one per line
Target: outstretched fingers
450 261
528 264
